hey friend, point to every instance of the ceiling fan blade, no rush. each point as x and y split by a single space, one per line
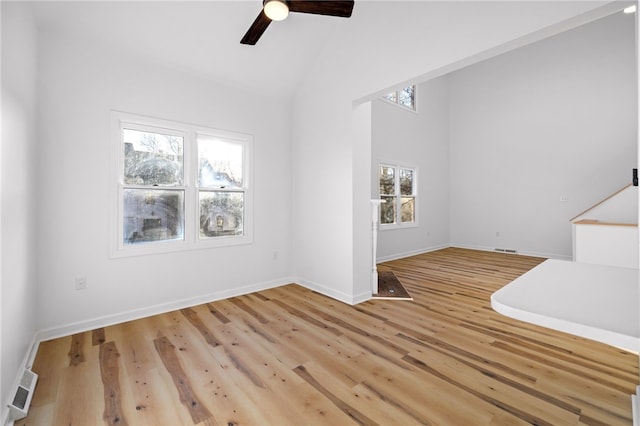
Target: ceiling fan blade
256 29
332 8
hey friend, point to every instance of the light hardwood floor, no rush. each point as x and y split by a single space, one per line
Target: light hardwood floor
289 356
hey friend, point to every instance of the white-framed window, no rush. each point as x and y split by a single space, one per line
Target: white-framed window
178 186
398 189
404 97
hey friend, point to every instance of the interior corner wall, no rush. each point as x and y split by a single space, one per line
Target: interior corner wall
420 140
322 210
554 118
81 82
17 186
361 137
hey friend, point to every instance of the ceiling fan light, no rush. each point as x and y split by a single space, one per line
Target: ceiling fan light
276 10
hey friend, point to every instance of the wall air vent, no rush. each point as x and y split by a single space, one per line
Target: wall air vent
19 407
505 250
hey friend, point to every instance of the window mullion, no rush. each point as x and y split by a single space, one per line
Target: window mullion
190 187
398 194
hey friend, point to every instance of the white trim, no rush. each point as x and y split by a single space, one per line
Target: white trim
332 293
397 102
520 252
190 132
392 226
403 255
107 320
121 317
410 253
398 224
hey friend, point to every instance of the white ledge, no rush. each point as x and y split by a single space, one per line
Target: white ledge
598 302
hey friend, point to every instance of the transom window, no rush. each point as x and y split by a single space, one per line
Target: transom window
398 190
405 97
178 186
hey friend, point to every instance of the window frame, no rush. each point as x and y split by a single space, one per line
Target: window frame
397 103
191 212
398 196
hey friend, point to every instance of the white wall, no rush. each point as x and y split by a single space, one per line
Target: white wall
554 118
81 81
417 139
18 183
606 245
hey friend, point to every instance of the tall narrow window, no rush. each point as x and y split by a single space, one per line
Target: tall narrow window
388 194
179 186
398 190
407 196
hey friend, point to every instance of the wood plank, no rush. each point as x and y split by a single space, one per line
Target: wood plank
110 372
147 389
217 314
80 397
351 412
98 336
76 351
197 322
188 398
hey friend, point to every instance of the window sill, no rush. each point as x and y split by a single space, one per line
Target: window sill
391 227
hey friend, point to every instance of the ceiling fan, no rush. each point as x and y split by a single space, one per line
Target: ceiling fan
277 10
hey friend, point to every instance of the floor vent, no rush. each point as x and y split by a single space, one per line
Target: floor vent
504 250
19 408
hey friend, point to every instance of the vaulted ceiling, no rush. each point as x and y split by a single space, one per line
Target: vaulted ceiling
203 37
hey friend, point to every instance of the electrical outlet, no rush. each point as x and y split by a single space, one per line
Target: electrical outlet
564 198
81 283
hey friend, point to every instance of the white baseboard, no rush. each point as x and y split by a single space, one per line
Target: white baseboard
107 320
332 293
397 256
520 252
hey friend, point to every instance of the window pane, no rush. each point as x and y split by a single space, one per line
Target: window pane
219 163
406 97
221 213
153 215
406 182
393 97
388 210
152 158
407 209
387 180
